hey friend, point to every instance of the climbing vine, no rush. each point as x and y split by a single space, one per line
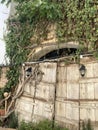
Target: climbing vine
79 23
75 20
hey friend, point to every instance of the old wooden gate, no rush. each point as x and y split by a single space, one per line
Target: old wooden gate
37 101
67 95
61 94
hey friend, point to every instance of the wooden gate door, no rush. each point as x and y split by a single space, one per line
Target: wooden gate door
62 94
67 96
77 96
37 101
89 94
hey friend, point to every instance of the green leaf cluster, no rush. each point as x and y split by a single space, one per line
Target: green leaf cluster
78 23
42 125
34 11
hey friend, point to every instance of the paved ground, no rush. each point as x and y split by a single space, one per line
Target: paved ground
6 128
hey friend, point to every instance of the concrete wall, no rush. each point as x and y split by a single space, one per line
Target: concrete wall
57 91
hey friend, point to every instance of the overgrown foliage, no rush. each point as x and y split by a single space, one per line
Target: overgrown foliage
75 20
87 125
43 125
10 122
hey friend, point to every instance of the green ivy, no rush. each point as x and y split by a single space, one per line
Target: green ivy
75 20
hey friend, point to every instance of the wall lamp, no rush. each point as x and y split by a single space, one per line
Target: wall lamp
28 71
82 70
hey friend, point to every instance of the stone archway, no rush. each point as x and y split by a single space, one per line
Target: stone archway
43 50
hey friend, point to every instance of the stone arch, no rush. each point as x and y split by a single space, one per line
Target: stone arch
41 51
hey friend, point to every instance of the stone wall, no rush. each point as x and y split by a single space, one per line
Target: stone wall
3 78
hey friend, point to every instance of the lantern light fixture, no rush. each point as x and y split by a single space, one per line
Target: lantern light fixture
82 70
28 71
